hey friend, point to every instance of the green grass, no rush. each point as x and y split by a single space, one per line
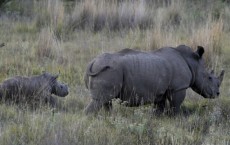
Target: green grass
33 46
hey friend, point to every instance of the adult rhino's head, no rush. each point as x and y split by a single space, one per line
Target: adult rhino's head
206 84
57 88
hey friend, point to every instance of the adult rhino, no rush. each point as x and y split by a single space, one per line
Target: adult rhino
149 77
32 90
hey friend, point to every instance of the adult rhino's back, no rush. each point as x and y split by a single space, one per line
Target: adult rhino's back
143 73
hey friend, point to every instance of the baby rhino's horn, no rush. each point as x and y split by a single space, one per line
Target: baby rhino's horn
221 76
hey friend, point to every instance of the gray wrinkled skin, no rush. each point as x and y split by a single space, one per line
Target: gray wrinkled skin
32 90
149 77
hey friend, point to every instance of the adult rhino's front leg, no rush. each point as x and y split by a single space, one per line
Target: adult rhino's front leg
159 102
175 100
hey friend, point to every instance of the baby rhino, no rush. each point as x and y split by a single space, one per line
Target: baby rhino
32 90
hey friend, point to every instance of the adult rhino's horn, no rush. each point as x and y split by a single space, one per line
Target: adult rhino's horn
221 76
200 50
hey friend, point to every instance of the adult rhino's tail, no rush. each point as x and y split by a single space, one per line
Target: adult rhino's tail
92 73
99 69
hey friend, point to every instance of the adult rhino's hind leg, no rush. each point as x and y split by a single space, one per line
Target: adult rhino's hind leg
108 106
102 98
93 107
103 88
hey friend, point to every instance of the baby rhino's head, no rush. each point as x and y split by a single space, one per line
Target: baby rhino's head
57 88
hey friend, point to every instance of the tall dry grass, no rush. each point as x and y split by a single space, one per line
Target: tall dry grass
50 13
113 15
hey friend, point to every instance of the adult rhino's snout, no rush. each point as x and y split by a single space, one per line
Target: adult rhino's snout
216 94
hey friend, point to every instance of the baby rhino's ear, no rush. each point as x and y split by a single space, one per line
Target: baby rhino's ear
46 74
50 76
55 76
221 76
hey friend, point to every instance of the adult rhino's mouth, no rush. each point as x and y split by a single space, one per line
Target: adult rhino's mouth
209 94
203 93
206 94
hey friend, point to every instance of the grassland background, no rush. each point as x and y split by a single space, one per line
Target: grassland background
63 36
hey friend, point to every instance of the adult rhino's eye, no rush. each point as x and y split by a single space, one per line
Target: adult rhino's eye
210 78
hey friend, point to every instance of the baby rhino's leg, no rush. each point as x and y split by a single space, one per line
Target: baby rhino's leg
52 101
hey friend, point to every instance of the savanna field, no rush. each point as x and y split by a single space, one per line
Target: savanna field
63 36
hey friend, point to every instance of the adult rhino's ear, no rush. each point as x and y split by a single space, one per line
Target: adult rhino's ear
221 76
200 51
